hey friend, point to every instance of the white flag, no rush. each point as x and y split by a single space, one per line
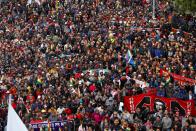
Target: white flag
14 122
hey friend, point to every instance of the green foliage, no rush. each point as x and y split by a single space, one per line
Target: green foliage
185 5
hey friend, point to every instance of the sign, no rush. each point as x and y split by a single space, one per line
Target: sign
154 102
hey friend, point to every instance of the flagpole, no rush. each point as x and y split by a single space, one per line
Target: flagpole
153 9
10 100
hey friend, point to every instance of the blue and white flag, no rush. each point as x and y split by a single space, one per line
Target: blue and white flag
129 58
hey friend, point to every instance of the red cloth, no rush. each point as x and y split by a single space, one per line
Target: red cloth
70 117
127 70
68 111
144 2
79 116
77 75
92 88
97 117
14 105
31 98
35 121
13 91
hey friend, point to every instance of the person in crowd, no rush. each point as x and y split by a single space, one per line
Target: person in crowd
157 123
186 127
191 121
166 122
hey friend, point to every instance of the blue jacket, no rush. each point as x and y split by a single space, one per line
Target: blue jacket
161 92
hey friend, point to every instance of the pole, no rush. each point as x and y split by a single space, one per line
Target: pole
153 9
10 100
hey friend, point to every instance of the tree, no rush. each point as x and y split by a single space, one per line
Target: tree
185 6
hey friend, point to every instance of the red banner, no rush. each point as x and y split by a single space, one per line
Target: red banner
131 103
182 79
142 100
177 77
154 102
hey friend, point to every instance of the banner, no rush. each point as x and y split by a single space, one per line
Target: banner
53 124
141 101
182 79
154 103
177 77
173 104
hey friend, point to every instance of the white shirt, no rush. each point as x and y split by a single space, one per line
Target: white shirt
190 97
60 110
81 128
120 106
3 87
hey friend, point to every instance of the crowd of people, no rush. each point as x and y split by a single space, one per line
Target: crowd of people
65 60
